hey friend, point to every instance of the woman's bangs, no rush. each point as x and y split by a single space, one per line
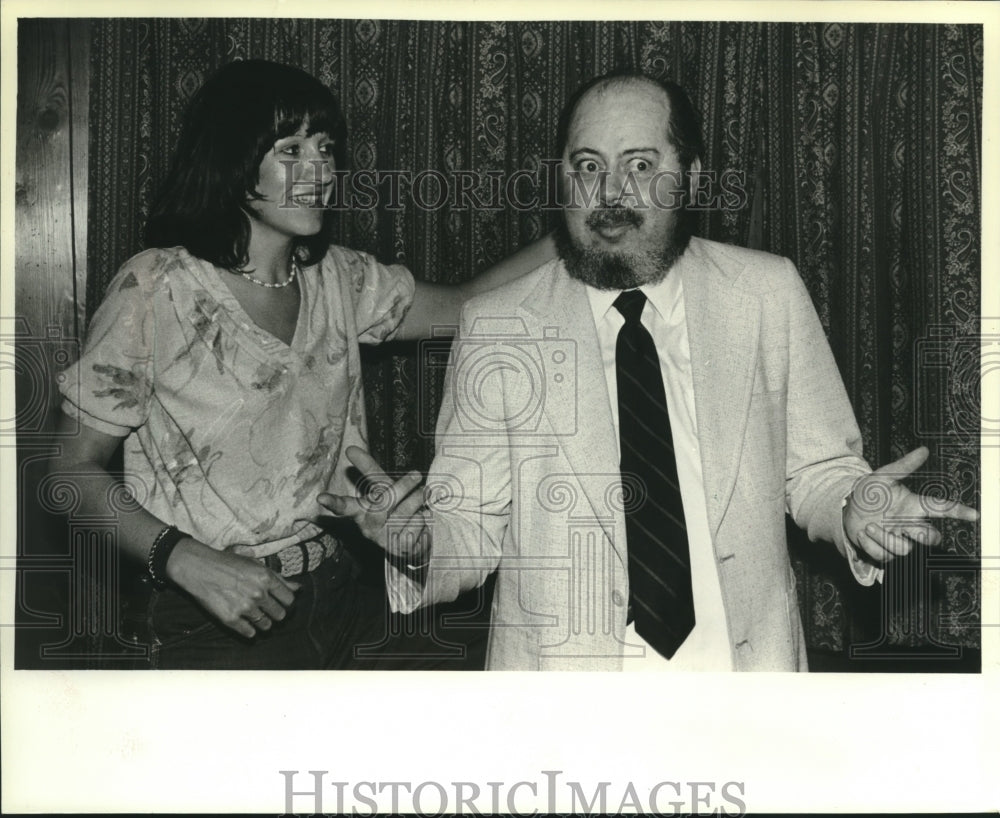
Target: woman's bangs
322 115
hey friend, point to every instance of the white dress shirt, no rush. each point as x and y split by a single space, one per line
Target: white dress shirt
707 646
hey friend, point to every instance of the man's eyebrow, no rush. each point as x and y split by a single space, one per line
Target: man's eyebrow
580 151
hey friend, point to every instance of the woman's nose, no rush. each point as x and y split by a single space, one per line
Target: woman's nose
315 167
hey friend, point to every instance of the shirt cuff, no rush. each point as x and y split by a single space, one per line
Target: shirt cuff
95 423
864 572
404 589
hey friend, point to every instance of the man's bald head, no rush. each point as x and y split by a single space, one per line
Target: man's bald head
683 124
630 149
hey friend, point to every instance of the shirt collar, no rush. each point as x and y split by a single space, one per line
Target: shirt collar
664 296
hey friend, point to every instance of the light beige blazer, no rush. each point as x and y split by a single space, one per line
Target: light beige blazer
526 472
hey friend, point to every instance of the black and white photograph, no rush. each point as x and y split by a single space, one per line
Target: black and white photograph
350 360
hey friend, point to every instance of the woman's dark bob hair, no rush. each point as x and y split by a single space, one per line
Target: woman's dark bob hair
232 122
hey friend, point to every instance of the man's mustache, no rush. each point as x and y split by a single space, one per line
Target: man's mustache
614 217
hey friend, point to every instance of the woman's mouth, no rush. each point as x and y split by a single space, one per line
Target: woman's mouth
314 199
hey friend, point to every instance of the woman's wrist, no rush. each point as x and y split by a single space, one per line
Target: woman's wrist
181 558
159 554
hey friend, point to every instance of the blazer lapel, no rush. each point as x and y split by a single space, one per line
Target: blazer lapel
723 332
581 414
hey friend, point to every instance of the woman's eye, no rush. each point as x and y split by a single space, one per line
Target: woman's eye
326 150
290 150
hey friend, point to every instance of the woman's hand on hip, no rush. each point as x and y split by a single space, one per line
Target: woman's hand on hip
238 591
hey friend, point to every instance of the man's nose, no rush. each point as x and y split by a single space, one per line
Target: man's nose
614 185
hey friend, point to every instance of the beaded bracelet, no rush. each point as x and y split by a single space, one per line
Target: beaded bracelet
159 553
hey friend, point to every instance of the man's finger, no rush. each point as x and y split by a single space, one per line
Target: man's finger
867 544
923 534
340 505
411 496
906 465
385 497
406 484
953 510
366 464
892 542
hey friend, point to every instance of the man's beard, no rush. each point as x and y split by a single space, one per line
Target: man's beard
623 269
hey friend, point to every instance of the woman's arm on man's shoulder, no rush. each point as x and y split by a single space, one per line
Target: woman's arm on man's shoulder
439 305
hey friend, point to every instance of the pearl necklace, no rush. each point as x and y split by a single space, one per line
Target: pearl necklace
292 272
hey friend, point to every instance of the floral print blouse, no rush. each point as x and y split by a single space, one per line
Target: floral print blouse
230 434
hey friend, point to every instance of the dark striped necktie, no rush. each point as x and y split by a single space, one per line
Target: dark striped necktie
659 562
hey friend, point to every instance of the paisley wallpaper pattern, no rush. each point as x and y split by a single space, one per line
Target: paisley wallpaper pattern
856 149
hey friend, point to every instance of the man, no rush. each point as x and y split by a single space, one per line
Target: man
624 429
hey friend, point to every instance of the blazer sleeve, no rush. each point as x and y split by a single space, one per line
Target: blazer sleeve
469 482
824 452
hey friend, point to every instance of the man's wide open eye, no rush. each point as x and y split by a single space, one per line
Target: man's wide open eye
640 165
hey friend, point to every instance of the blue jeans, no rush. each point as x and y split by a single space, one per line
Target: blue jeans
333 617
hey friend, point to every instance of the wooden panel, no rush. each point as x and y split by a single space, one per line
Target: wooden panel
46 243
79 60
50 272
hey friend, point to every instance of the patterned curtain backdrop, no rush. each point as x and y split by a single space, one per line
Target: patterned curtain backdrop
854 151
872 145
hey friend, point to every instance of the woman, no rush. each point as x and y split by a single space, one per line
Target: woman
227 358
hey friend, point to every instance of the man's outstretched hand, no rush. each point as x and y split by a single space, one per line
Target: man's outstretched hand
390 514
884 518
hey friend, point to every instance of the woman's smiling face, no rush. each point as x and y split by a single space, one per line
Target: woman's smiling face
296 181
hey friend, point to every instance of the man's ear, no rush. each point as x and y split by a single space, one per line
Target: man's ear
693 174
